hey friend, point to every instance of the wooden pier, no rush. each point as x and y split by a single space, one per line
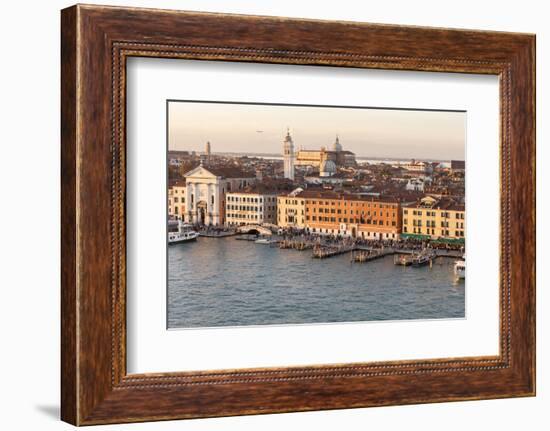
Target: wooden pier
362 256
216 234
296 244
247 237
322 252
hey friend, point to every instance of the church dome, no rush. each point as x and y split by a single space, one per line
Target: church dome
327 168
337 146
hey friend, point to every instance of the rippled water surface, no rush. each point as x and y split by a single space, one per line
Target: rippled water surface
225 282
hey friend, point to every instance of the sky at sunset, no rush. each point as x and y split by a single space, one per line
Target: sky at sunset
367 132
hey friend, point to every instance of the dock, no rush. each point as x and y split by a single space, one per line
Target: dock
296 244
216 234
363 256
246 237
322 252
360 252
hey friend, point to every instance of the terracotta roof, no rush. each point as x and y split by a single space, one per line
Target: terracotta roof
230 172
458 164
328 194
303 150
440 204
176 183
176 153
225 171
270 187
337 175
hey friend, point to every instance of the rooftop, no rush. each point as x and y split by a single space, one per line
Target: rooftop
176 183
458 164
267 187
226 171
444 203
332 195
230 172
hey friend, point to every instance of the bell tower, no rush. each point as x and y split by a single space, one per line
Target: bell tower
288 156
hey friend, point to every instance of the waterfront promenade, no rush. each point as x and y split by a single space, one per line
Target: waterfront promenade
328 246
325 246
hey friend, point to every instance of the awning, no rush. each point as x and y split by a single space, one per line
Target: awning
415 236
449 241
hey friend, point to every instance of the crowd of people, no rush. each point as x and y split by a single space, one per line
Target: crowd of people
211 230
338 239
295 234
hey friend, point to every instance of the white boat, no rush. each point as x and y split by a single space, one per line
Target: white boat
460 268
421 260
185 233
263 241
425 257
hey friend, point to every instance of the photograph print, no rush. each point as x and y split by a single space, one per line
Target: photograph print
284 214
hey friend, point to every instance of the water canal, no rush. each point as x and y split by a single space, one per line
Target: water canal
223 282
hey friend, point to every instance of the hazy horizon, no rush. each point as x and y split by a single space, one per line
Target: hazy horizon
368 132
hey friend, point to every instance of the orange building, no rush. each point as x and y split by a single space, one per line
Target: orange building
351 215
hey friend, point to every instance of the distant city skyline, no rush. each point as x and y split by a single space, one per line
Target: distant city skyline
368 132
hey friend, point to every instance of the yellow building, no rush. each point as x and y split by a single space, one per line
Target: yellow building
434 218
176 199
336 154
291 209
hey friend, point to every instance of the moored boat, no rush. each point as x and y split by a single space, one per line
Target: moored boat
415 259
460 269
185 233
403 259
424 258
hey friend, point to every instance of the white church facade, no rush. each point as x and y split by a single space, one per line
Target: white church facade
205 190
